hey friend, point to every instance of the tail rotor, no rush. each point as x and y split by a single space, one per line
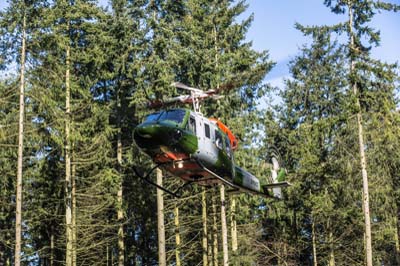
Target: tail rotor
278 174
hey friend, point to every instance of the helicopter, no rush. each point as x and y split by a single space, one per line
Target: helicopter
198 149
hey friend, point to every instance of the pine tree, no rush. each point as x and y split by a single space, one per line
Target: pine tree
120 78
68 46
18 26
368 95
18 211
312 120
319 139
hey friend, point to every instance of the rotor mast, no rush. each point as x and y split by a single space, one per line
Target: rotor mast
196 95
196 103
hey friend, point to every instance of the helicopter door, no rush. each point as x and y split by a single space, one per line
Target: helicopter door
192 124
205 135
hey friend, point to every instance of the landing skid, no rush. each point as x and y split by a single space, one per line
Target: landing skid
146 178
235 188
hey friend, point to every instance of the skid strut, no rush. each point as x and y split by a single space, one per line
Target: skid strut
146 178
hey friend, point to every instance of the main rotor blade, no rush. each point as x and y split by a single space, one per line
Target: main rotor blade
181 98
159 103
224 87
185 87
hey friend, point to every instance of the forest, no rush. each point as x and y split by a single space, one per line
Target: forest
75 78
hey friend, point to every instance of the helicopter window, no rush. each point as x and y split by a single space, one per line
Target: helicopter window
172 115
152 117
228 146
218 139
192 124
207 130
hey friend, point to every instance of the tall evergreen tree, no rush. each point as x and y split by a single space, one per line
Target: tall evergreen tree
320 140
121 77
17 25
364 80
311 120
67 61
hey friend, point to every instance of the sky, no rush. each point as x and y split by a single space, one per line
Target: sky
273 30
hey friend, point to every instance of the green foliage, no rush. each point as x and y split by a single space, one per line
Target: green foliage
131 53
8 155
318 139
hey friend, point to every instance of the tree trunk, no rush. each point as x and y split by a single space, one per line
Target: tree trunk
215 245
224 228
233 225
160 222
397 236
2 256
331 246
368 239
177 236
18 210
73 195
120 213
52 247
331 250
363 161
68 184
210 249
107 255
314 243
313 237
204 221
215 231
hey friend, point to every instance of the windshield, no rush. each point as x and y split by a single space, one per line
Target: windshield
170 115
152 117
173 115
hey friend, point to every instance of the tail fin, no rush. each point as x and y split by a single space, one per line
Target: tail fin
278 179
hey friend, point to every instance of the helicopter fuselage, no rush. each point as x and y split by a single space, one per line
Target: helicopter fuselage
194 148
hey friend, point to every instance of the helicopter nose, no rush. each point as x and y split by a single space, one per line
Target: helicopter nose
145 131
153 135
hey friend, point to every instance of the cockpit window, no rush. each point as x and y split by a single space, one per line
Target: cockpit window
170 115
173 115
228 146
218 140
152 117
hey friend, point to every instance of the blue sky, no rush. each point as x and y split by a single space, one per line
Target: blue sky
273 30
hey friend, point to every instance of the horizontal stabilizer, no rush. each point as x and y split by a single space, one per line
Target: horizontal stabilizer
276 188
